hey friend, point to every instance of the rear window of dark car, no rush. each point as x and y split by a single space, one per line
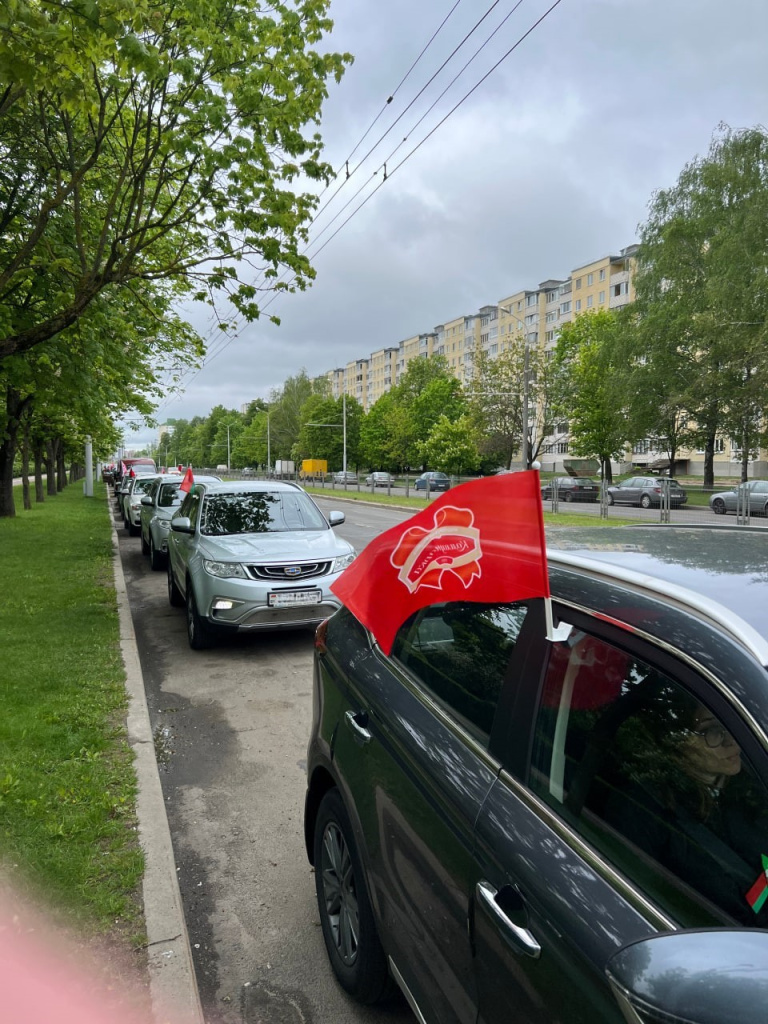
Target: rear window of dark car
259 512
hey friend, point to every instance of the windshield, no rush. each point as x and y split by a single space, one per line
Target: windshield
259 512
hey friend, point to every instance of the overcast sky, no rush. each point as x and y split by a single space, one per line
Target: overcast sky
549 163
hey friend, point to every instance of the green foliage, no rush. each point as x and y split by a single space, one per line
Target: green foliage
589 389
702 300
154 144
452 446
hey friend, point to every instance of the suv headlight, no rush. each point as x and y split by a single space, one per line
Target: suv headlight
343 562
225 570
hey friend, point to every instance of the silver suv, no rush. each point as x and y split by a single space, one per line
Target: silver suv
253 555
158 506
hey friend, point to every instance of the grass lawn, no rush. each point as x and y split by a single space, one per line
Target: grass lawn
67 784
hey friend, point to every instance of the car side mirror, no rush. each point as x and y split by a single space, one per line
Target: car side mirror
146 500
336 518
181 524
718 976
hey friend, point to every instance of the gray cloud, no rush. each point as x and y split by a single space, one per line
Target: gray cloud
550 163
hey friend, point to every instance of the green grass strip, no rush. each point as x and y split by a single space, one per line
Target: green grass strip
67 782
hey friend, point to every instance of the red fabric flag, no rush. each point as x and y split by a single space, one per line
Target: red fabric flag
188 482
481 541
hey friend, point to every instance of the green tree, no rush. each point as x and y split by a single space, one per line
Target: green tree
452 446
701 293
155 143
589 388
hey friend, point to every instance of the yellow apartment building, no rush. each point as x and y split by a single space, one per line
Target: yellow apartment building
538 314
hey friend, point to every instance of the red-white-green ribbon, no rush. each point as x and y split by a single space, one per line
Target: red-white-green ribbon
758 894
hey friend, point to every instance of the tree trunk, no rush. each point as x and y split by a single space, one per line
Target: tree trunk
607 470
25 468
37 451
50 467
14 406
61 469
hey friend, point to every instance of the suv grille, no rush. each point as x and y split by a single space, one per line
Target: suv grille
289 571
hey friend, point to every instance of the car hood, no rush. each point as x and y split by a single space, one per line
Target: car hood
275 547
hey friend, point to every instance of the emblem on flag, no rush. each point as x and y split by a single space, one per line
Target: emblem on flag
453 545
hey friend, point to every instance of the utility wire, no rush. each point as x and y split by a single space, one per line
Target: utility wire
407 157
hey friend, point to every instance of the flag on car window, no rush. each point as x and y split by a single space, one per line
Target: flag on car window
481 541
188 482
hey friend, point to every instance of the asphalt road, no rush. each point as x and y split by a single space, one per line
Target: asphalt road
231 727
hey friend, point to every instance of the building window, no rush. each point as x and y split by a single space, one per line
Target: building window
578 305
549 337
561 447
551 296
578 283
601 297
532 299
590 279
601 275
551 317
565 307
590 300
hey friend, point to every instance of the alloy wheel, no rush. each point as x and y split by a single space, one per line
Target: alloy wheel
339 893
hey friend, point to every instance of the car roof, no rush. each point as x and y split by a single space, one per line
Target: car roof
249 486
718 573
173 478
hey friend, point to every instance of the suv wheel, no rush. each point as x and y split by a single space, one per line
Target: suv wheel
198 632
346 917
645 501
175 596
144 545
718 507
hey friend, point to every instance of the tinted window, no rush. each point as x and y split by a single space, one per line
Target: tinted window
170 495
142 485
460 653
648 774
260 512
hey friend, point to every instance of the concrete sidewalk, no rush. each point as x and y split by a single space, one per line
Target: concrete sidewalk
173 985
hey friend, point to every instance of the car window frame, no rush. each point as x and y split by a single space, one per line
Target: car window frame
515 745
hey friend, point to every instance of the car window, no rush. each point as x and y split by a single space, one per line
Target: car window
761 486
170 495
259 512
142 485
460 653
649 776
190 507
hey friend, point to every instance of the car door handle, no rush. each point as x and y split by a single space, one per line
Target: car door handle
520 939
357 720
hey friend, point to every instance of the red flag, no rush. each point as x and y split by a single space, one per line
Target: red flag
481 541
188 482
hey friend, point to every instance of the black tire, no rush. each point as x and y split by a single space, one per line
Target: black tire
144 545
718 507
609 498
156 558
349 930
199 632
568 496
175 596
132 530
645 501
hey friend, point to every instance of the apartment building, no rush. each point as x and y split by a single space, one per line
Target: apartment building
538 314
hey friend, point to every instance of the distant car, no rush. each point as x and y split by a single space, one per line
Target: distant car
123 484
253 555
726 501
158 506
515 829
571 488
645 491
345 478
435 481
380 480
137 488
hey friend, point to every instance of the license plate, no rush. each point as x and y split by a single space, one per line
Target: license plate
293 598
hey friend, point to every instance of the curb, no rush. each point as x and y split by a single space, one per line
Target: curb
172 980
